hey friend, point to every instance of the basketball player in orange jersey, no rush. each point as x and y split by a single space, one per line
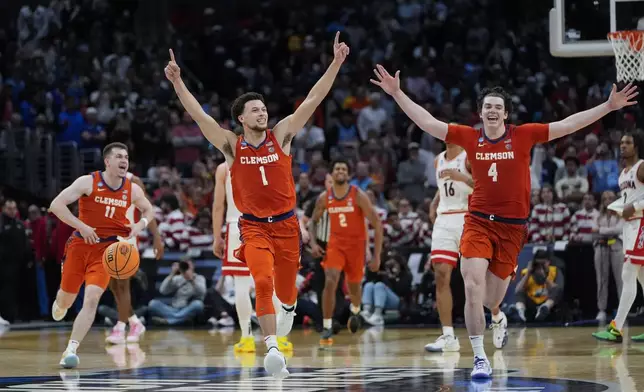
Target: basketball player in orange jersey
347 207
495 226
103 200
264 192
120 288
224 201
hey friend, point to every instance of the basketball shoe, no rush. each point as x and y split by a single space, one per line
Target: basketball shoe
275 364
136 331
57 313
69 359
245 345
611 334
284 345
285 320
327 337
500 331
444 343
638 338
117 336
482 368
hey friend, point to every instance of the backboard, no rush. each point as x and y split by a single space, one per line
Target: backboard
578 28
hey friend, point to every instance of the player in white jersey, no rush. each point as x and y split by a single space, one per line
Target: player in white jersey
232 266
447 212
121 288
630 205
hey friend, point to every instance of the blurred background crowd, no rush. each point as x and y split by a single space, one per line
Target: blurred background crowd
88 72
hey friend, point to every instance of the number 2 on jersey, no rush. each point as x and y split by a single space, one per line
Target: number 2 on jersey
492 172
343 220
263 171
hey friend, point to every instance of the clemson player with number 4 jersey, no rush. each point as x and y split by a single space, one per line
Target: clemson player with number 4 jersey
495 226
346 251
264 192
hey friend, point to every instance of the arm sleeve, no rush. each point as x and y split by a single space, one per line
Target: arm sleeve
539 133
461 135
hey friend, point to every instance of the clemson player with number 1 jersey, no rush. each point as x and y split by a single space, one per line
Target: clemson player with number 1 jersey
494 230
346 251
264 192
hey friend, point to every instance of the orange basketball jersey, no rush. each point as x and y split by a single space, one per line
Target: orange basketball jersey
500 167
346 218
105 208
262 178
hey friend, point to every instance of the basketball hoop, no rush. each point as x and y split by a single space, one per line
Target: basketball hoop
628 47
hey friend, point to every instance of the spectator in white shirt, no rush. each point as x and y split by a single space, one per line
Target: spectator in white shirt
174 222
572 187
372 117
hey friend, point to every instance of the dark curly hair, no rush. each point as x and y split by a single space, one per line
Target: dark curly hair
638 141
237 107
495 92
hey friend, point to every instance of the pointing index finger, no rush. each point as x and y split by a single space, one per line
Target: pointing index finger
336 41
172 56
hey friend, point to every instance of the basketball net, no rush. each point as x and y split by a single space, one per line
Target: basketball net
628 47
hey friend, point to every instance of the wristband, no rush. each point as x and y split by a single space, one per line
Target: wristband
146 221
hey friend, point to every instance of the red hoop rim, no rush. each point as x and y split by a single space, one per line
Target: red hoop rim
624 34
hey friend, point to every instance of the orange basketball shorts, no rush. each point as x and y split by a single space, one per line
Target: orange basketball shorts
496 241
271 249
83 263
349 257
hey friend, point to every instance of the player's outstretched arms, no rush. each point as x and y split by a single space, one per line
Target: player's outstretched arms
577 121
421 117
221 138
81 187
289 126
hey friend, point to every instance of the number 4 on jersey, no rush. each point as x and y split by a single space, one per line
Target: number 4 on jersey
492 172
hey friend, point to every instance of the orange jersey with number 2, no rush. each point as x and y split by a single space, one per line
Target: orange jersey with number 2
500 168
347 219
262 178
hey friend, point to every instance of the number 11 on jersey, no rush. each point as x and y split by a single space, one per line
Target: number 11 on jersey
492 172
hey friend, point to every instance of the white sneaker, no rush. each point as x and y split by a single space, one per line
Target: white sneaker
444 343
482 368
500 332
57 313
117 336
376 320
365 315
69 360
4 322
285 321
275 364
601 317
226 321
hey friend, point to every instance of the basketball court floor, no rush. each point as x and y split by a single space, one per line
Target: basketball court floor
376 359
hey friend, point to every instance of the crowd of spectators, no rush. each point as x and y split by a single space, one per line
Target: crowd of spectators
83 72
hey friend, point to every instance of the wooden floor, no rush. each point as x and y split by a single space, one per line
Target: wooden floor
547 359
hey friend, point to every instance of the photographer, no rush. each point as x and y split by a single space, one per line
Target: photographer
385 289
189 289
540 289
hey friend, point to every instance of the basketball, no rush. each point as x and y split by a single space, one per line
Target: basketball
121 260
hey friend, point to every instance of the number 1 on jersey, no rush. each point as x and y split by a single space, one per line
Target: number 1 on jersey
492 172
263 171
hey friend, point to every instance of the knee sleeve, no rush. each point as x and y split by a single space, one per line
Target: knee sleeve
264 295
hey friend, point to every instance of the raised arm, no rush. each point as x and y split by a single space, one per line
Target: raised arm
79 188
372 216
286 129
421 117
218 208
221 138
577 121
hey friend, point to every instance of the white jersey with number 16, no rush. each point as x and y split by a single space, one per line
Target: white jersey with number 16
453 194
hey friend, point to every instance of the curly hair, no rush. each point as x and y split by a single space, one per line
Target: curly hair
497 91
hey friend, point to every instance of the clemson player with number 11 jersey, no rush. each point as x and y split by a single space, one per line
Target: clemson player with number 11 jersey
347 207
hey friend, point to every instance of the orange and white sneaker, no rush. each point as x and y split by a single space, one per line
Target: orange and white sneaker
245 345
135 332
117 336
